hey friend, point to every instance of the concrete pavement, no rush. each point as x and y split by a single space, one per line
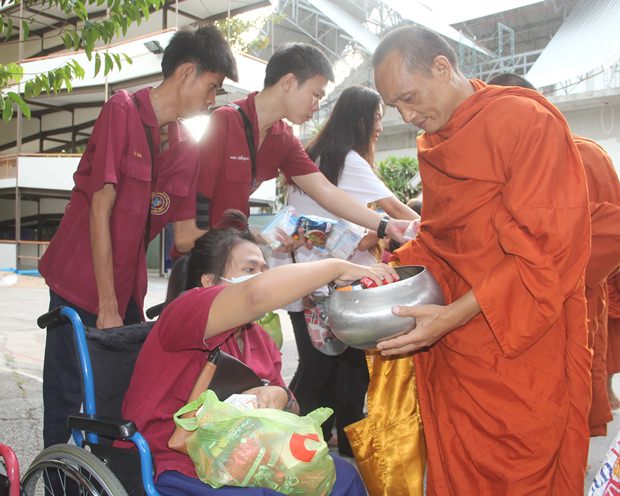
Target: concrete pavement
23 299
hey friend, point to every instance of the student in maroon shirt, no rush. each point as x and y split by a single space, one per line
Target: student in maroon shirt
295 79
221 296
96 261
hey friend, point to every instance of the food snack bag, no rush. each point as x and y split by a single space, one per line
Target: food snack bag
315 229
258 448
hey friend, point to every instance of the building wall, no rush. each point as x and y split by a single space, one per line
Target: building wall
8 255
601 124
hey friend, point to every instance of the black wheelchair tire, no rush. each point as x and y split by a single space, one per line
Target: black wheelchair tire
87 471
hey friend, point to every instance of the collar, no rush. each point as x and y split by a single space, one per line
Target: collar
146 110
249 105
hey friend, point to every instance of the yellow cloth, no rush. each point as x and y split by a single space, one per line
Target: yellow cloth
389 444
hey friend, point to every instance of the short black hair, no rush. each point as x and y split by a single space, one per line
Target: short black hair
300 59
418 47
204 46
510 79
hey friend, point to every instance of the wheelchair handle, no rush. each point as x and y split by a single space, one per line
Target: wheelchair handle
52 317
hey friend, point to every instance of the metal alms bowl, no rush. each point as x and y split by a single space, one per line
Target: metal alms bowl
363 318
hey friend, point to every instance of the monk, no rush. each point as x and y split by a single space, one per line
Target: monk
503 369
613 333
604 198
604 194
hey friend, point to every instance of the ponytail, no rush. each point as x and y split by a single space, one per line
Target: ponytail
210 254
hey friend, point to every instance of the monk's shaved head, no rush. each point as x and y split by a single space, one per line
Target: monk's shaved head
510 79
418 47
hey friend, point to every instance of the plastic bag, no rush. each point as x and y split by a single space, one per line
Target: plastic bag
258 448
285 219
270 322
607 479
321 336
343 239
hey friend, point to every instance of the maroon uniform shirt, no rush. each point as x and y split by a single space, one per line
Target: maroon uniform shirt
118 153
225 175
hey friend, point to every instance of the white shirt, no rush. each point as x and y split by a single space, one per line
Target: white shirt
359 181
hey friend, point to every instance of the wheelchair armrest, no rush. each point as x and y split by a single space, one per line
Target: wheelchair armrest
154 311
105 426
51 317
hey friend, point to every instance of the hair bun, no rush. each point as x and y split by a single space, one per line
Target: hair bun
233 219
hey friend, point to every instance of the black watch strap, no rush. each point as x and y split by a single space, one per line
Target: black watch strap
382 226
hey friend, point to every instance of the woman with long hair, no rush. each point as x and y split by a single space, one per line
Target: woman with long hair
344 149
215 294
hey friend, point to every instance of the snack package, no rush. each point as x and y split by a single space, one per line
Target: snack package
242 400
316 229
343 239
285 219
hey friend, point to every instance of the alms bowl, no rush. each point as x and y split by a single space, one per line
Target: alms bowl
363 318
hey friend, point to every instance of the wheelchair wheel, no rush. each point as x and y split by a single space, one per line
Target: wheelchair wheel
69 470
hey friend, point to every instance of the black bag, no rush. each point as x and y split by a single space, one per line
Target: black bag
113 353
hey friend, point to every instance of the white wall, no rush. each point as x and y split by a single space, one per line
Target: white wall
8 255
45 172
601 124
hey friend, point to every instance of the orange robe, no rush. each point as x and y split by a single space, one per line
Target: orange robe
613 325
604 197
504 399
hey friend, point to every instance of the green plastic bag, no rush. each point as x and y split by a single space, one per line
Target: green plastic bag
264 447
271 323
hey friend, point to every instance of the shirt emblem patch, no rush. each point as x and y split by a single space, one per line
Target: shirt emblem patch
160 203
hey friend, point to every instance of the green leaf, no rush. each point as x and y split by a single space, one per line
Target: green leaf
68 41
9 29
25 28
78 70
89 42
7 111
67 78
97 63
109 64
117 58
128 59
23 106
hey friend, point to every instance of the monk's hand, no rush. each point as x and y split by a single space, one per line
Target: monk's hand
269 396
433 322
431 325
288 244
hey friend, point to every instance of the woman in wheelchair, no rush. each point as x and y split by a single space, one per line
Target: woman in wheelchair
212 295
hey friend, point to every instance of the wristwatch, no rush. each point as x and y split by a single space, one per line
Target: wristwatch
382 226
290 400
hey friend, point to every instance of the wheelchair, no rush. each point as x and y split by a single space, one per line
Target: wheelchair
92 466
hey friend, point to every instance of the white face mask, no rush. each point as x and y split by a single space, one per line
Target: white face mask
235 280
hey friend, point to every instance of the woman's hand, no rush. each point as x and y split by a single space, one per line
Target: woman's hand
378 273
269 396
369 241
288 244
